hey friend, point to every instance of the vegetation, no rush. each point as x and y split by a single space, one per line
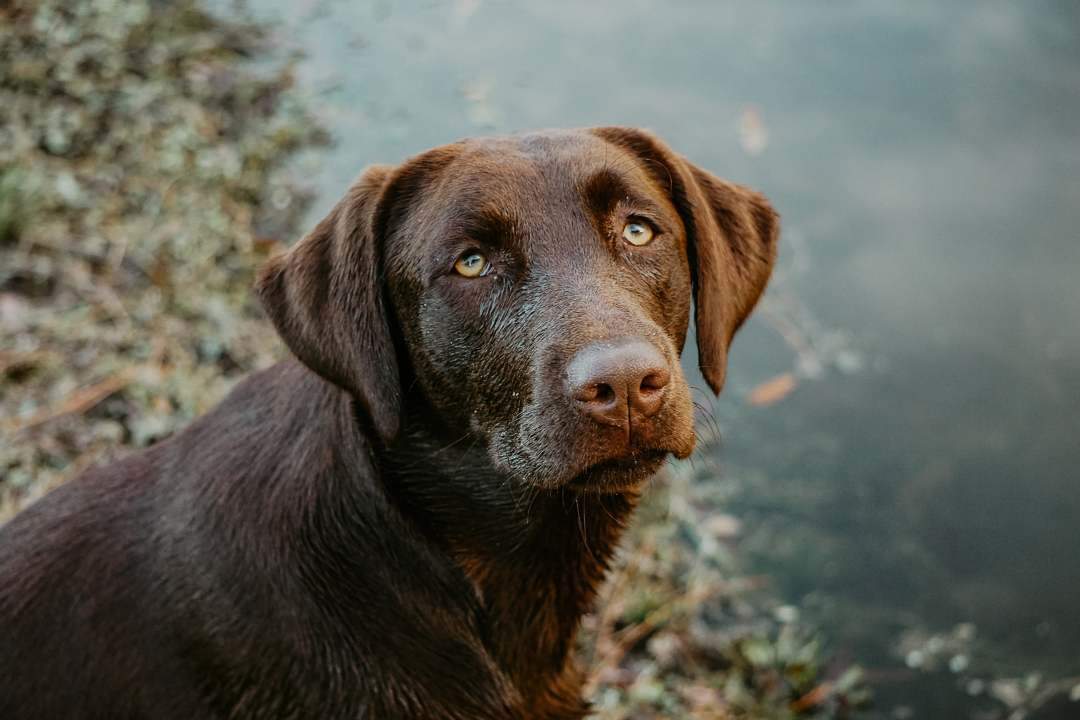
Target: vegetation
142 179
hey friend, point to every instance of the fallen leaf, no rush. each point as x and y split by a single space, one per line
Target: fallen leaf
813 698
753 135
773 390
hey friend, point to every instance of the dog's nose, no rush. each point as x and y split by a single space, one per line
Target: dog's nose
612 381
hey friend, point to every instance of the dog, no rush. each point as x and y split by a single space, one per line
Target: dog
409 518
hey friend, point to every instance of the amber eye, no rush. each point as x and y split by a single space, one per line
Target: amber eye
472 264
637 233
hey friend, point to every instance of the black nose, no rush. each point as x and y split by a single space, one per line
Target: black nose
611 381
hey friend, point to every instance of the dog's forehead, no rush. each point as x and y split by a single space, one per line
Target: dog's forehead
547 148
541 192
520 172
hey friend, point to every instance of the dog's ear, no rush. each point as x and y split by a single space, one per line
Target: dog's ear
731 232
326 298
733 250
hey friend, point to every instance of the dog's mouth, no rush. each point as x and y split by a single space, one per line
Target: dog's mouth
620 474
549 448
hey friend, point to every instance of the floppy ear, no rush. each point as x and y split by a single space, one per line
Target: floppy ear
731 233
325 297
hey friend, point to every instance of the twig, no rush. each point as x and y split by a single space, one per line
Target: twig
631 635
78 402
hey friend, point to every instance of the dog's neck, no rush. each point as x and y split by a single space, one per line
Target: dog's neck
536 558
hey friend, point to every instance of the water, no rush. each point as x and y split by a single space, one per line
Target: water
926 160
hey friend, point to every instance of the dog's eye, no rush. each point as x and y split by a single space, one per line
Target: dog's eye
637 233
472 264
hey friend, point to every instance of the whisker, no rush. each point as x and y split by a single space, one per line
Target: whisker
600 502
579 511
451 444
709 420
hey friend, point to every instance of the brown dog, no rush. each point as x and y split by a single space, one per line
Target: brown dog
410 521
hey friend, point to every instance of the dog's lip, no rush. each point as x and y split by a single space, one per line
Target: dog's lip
622 472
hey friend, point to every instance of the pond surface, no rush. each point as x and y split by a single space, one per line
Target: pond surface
921 477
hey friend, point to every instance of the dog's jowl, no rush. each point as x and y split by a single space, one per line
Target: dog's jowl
408 519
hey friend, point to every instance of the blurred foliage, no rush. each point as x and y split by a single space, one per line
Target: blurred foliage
142 179
682 632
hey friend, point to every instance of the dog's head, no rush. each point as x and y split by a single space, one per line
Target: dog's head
536 291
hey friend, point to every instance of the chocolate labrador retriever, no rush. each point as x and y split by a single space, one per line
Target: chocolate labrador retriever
408 520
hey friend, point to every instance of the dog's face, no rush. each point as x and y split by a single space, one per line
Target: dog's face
537 288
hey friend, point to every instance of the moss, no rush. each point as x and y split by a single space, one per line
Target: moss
140 146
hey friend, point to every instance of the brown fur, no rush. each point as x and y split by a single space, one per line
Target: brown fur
411 520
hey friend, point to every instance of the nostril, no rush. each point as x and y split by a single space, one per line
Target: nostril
598 393
653 383
650 394
605 394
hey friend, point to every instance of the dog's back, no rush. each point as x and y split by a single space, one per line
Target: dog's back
74 575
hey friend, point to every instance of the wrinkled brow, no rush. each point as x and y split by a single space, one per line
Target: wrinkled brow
487 224
605 190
